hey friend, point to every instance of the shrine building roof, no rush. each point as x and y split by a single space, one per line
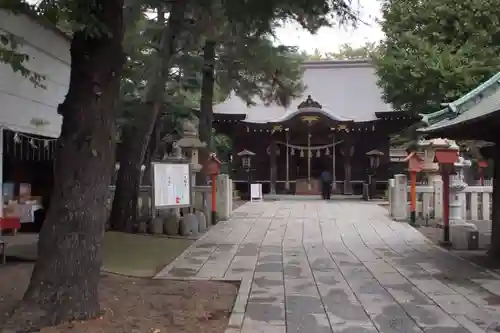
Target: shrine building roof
479 104
345 90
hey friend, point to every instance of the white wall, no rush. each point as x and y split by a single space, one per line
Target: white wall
21 103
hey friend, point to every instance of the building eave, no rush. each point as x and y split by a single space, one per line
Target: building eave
453 108
494 80
390 115
42 21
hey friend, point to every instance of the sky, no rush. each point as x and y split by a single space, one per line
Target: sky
329 39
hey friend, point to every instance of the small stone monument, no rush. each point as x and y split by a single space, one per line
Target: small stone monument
202 221
171 224
189 225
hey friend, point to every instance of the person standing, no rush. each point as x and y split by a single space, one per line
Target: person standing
326 184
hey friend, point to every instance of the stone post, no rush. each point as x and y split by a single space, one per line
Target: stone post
390 195
224 197
438 198
273 165
400 199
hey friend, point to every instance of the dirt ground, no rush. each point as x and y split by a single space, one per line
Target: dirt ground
138 305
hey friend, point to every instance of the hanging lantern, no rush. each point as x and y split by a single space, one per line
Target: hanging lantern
301 153
292 151
309 153
327 152
32 143
16 138
46 144
318 153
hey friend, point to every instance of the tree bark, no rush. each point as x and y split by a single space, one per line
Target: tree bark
151 151
206 106
136 139
495 218
64 283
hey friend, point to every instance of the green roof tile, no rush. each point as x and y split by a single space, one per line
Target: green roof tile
478 103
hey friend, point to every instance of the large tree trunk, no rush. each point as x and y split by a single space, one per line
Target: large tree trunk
124 209
64 283
151 151
206 106
136 136
495 219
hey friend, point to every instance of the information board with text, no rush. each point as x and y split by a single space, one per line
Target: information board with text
171 184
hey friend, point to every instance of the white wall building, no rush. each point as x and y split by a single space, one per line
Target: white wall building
29 122
24 107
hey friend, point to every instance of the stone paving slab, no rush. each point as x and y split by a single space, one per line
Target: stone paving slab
339 266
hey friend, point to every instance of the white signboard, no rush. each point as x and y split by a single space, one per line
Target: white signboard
171 185
255 192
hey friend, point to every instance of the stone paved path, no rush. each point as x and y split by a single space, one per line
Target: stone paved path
314 266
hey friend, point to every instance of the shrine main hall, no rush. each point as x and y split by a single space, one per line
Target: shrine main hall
339 118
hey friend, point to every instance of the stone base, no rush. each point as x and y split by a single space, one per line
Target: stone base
464 237
189 225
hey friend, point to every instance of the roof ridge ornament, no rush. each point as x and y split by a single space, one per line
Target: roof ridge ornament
310 103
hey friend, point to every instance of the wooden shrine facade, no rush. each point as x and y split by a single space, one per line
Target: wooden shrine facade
339 118
291 154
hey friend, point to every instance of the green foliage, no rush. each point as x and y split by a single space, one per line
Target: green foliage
10 54
347 52
264 15
436 50
254 69
247 61
221 143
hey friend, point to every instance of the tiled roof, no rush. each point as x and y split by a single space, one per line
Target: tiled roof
347 91
477 104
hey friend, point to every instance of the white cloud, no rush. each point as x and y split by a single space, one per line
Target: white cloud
329 39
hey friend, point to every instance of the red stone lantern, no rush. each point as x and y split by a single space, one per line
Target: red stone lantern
482 164
212 166
414 166
446 157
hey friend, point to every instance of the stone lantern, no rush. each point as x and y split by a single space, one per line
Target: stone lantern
429 166
482 164
446 157
374 157
190 145
246 163
457 186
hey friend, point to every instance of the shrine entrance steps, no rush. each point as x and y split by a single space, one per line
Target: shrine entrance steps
302 197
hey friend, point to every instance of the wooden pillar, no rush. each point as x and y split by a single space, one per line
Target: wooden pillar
334 176
287 150
309 157
348 151
1 174
446 207
413 197
495 218
274 169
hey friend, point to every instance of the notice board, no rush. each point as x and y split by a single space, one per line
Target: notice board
171 184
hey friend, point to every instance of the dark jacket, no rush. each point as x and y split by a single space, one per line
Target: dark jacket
326 177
